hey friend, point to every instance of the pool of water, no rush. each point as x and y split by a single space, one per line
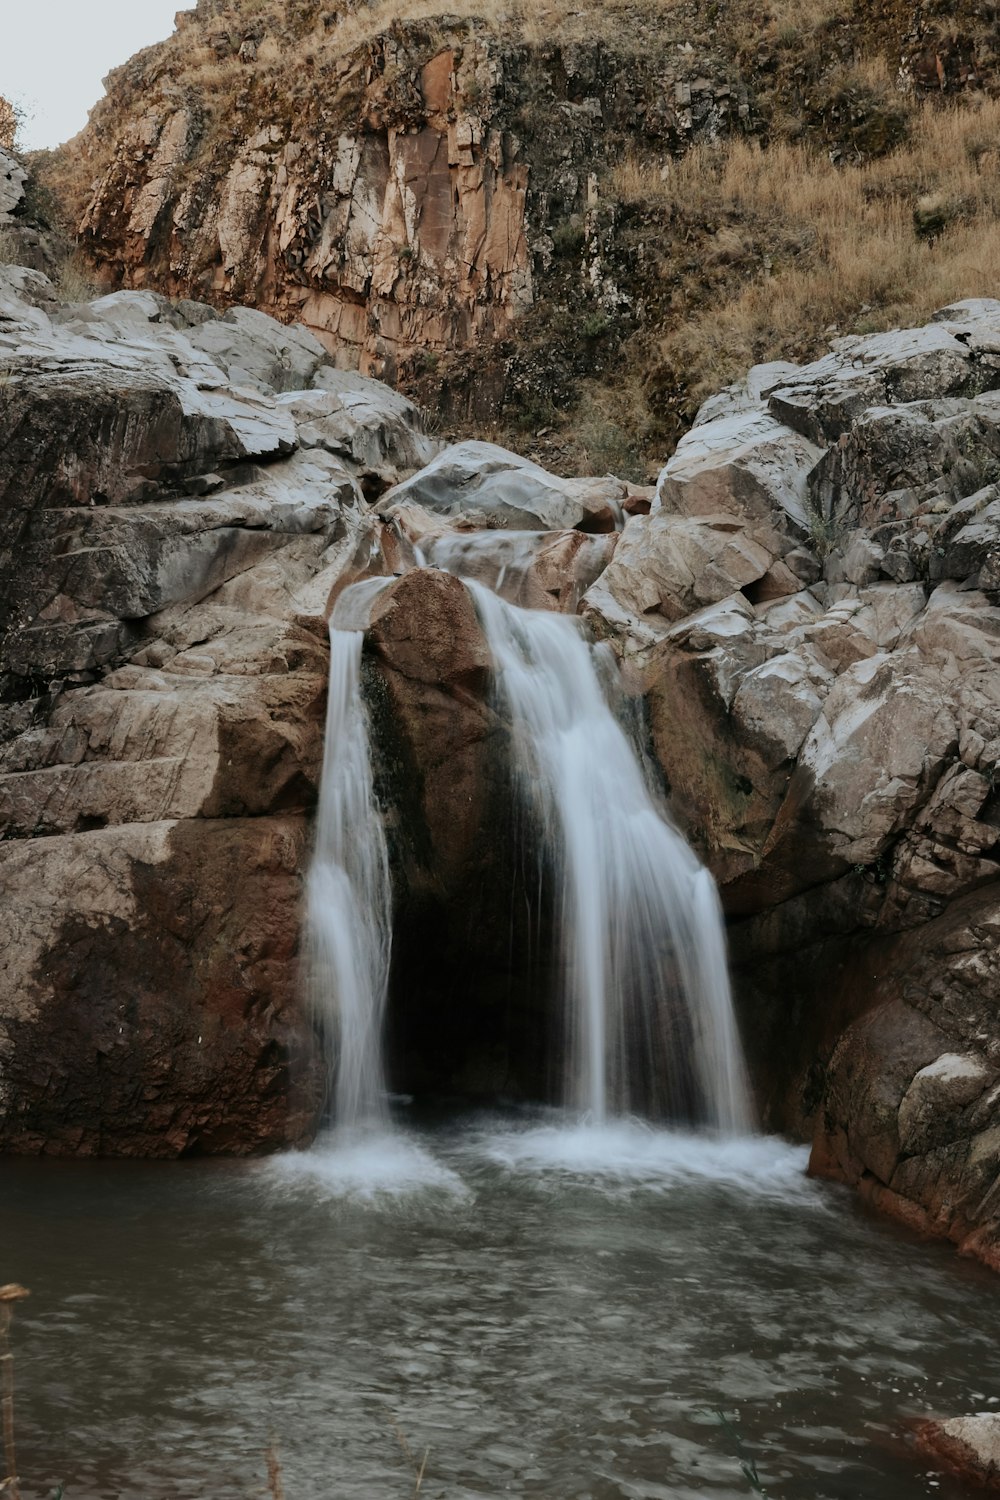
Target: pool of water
521 1307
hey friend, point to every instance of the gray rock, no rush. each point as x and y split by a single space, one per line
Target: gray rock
483 485
13 177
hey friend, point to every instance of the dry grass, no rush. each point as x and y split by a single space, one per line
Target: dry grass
74 281
821 248
10 1295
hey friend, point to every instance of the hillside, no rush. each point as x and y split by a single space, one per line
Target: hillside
562 226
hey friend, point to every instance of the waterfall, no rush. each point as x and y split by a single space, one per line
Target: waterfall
348 891
649 1017
649 1024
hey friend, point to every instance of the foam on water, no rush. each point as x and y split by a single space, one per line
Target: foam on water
368 1166
629 1153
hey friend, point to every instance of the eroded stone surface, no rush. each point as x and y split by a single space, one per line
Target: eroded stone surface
813 608
172 532
968 1447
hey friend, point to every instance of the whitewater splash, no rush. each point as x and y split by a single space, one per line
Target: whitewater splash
349 909
627 1154
649 1014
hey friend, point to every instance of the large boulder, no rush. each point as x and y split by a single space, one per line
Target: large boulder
474 485
469 1012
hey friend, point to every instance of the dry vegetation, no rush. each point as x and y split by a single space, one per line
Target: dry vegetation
804 248
856 196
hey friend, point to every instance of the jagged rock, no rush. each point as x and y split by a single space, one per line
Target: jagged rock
170 548
381 239
834 750
12 179
480 485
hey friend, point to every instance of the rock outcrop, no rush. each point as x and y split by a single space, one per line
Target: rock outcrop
809 604
813 608
968 1447
12 179
480 204
180 495
396 183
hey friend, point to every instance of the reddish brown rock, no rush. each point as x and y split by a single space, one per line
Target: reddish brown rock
968 1447
469 1004
434 678
154 975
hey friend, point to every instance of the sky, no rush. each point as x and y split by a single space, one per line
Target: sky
56 52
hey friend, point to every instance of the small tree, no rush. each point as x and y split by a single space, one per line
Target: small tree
9 122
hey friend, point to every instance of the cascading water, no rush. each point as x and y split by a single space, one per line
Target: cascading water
649 1014
649 1020
348 895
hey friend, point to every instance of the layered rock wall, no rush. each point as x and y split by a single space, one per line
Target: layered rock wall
809 606
179 498
394 185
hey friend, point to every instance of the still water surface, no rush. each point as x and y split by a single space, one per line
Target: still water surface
542 1311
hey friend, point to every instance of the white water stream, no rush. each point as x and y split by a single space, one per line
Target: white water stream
349 898
649 1025
649 1015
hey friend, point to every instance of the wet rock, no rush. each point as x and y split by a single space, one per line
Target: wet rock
969 1447
470 1000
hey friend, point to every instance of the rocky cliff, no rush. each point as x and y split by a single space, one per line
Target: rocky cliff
180 495
808 606
483 205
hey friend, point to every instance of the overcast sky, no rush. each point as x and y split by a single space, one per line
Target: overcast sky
55 53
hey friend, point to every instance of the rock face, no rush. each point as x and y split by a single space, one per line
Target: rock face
12 179
468 1005
393 183
180 495
813 606
810 605
399 223
969 1447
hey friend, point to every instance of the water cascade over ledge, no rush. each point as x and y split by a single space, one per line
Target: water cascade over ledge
649 1018
349 897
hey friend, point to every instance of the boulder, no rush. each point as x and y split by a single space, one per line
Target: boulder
968 1447
469 1014
481 485
149 999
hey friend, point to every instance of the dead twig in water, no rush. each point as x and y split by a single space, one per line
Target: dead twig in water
418 1469
274 1483
8 1296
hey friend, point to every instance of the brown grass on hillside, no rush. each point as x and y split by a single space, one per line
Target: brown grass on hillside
822 248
